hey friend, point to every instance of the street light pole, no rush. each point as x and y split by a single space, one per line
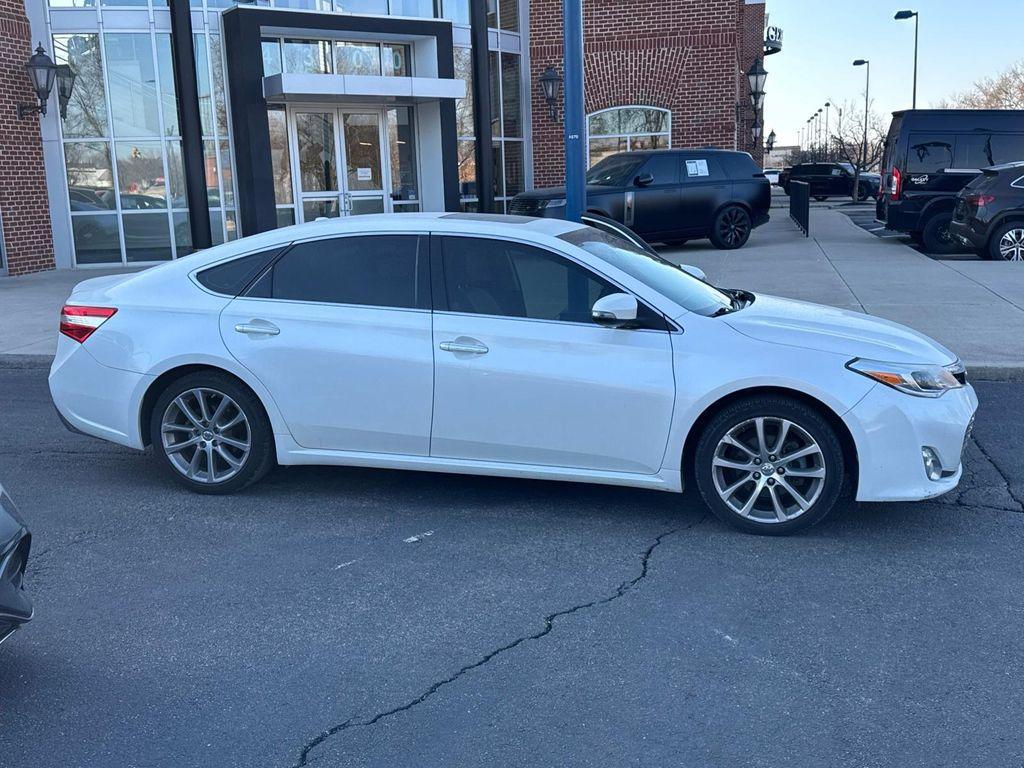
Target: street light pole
575 180
864 146
902 16
827 140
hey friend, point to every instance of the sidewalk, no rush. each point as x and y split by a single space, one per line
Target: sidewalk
974 307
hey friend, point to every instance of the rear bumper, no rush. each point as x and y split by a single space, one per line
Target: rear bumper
890 429
761 219
967 234
95 399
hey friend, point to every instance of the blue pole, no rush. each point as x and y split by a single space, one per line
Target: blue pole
575 183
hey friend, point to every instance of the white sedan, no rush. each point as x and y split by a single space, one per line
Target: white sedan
507 346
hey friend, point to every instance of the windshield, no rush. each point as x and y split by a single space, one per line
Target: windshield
650 269
613 171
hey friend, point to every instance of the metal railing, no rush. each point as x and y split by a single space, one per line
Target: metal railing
800 205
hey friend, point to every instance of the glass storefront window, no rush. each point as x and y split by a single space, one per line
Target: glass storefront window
362 151
423 8
90 176
147 236
203 84
210 167
316 209
357 58
402 143
168 94
285 217
467 168
464 106
271 57
492 68
317 151
97 240
175 175
307 57
87 109
508 13
396 60
456 10
220 102
515 168
280 158
511 97
131 83
140 175
227 174
378 7
623 129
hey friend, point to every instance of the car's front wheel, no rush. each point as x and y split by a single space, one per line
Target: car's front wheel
731 228
210 431
1007 243
769 465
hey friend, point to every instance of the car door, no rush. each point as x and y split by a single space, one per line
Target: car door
840 183
339 331
704 188
656 202
522 373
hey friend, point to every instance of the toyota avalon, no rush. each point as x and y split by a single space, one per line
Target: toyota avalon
512 346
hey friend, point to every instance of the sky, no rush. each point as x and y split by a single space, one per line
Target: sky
960 42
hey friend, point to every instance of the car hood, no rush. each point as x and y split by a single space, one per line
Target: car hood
840 331
558 193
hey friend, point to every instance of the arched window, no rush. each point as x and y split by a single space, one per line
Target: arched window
625 129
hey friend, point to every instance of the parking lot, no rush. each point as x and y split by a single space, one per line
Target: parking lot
373 618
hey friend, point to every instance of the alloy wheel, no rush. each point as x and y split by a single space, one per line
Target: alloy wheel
206 435
768 469
1011 245
733 227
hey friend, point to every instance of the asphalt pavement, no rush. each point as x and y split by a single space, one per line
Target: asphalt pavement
352 617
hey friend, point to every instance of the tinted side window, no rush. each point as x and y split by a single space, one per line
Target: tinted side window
1008 147
664 167
232 278
738 165
929 153
493 277
375 270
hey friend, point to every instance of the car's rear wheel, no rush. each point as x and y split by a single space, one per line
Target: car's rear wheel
211 432
1007 243
863 191
770 465
936 237
731 228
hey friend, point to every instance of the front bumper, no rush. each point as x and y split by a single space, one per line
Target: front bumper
890 428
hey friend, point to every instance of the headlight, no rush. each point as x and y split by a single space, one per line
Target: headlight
920 380
558 202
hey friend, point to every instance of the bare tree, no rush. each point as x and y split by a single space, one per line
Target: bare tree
1004 91
851 144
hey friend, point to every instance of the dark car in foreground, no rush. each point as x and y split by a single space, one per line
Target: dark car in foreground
15 541
989 213
669 195
932 154
831 180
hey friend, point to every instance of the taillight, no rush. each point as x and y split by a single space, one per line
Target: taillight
979 200
79 323
896 184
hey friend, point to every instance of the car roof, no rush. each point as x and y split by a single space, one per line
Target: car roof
527 227
677 150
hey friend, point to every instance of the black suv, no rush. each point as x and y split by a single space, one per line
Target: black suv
831 180
669 195
932 154
989 213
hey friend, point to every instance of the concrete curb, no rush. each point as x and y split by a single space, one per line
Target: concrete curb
1014 373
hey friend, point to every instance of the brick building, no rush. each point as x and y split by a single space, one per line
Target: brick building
360 106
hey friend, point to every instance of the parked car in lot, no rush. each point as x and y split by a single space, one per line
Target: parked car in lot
15 542
989 213
669 195
831 180
512 346
772 174
932 154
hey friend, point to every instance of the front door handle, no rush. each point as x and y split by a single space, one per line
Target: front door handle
462 346
258 328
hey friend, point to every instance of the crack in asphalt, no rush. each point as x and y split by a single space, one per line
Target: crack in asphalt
999 471
549 625
966 486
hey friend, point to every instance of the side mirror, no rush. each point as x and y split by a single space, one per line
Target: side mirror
643 180
617 310
695 271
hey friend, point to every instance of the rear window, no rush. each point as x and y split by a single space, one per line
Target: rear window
739 165
929 153
232 277
981 150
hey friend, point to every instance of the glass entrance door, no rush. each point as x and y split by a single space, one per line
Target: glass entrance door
339 161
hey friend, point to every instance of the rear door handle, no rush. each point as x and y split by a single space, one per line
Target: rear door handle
462 346
258 328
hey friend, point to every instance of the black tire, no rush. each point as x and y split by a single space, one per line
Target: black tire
731 228
1014 231
863 192
935 236
809 423
917 237
821 198
254 464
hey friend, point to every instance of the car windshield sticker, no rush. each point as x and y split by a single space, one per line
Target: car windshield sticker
696 167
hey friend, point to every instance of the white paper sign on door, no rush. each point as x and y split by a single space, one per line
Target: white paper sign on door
364 174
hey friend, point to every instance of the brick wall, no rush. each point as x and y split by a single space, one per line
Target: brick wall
24 208
681 55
